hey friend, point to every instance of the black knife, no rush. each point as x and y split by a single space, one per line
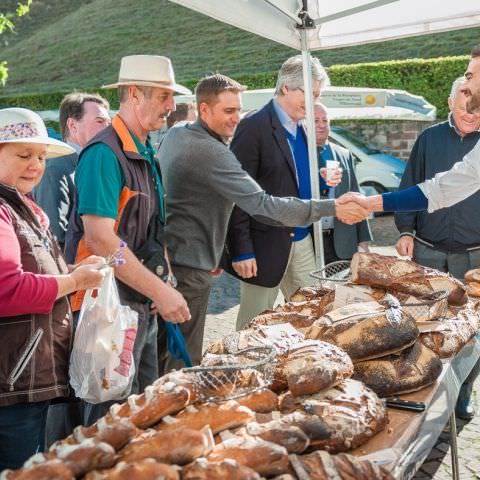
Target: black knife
395 402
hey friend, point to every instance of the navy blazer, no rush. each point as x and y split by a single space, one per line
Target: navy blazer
261 146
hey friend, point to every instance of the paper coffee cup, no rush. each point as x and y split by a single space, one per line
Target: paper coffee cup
332 167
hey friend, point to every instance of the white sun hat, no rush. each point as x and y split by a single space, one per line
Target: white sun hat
19 125
148 71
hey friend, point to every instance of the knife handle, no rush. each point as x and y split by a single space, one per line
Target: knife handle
401 404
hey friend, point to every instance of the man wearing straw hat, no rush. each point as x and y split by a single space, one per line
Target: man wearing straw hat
121 198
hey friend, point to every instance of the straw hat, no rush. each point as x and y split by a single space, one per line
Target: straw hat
148 71
19 125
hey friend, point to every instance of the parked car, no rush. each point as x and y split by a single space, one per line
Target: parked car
378 170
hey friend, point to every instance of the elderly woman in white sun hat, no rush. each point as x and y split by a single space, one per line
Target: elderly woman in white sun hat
35 317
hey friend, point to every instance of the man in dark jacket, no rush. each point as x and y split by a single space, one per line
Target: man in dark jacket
448 239
271 146
340 241
82 116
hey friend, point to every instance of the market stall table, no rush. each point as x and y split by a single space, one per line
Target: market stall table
406 442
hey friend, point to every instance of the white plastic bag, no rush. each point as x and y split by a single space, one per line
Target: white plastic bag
101 363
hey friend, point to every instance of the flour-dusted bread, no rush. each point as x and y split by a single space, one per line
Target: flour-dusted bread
314 308
261 401
448 337
409 370
366 330
473 275
147 469
228 469
266 458
352 412
299 321
313 366
218 417
313 293
405 276
172 446
296 431
323 466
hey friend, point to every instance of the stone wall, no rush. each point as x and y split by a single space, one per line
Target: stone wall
393 136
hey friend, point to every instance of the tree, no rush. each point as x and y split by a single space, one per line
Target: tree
7 24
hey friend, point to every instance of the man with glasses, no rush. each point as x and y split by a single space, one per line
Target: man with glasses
271 146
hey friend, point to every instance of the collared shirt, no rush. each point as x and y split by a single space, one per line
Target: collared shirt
96 196
302 167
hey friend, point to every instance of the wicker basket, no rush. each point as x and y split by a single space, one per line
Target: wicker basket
338 272
246 371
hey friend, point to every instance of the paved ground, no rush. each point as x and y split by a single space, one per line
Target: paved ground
221 317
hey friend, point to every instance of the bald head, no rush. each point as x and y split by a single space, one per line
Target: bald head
322 123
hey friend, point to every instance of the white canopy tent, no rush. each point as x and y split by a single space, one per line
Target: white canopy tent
308 25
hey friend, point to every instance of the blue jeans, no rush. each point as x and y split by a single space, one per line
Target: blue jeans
22 432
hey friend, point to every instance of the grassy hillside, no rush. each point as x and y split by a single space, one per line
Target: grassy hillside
63 44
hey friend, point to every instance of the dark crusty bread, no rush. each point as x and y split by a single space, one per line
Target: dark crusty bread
405 276
351 411
323 466
228 469
452 334
408 371
366 330
313 366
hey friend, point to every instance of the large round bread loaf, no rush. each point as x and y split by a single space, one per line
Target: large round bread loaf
405 276
352 412
407 371
366 330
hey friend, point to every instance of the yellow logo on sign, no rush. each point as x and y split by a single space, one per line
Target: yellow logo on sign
370 99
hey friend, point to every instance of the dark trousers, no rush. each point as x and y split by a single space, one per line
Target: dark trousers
329 254
22 432
195 286
145 359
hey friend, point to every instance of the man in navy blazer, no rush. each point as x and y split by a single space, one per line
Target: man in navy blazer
271 146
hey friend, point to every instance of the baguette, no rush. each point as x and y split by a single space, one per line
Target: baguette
147 469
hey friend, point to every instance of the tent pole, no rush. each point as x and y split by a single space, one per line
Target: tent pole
312 144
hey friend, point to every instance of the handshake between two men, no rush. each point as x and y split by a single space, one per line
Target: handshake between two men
353 207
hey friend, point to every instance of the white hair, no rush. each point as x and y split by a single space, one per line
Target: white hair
291 74
455 87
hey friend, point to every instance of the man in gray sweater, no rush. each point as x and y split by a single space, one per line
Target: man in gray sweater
203 180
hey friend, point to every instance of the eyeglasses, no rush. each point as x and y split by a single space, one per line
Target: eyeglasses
316 94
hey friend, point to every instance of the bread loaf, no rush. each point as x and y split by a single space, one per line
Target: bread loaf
323 466
116 431
407 371
473 275
296 431
266 458
473 289
312 308
217 417
299 321
147 469
49 470
366 330
313 293
351 412
261 401
313 366
448 337
405 276
78 458
228 469
174 446
157 401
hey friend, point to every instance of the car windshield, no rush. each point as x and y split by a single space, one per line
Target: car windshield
356 141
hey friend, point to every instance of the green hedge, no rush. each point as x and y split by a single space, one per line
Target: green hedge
430 78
